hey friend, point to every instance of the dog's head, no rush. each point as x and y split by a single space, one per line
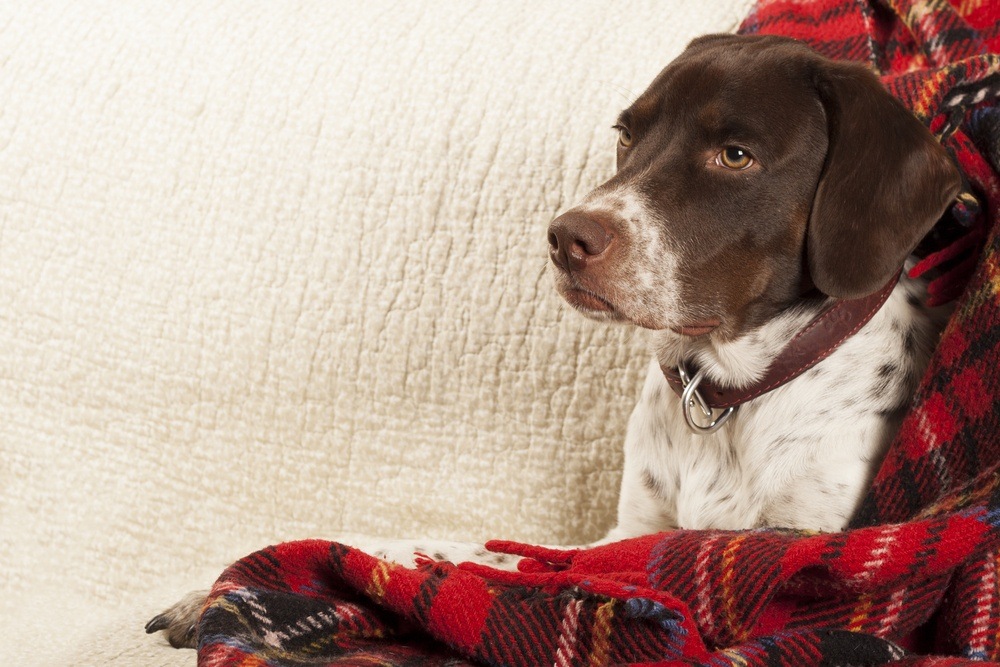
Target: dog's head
751 169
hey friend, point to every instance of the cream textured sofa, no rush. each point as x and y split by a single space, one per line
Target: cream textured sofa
278 270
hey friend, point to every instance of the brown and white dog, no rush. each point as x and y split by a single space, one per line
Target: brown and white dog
757 184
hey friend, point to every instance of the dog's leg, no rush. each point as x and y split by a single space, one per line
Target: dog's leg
405 552
647 499
179 623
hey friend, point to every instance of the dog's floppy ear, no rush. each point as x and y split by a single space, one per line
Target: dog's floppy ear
885 182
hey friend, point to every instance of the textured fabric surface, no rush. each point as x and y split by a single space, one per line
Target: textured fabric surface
271 271
916 576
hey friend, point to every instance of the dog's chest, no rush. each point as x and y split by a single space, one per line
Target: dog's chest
777 464
800 456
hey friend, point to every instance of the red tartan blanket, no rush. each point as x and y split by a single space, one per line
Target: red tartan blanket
918 575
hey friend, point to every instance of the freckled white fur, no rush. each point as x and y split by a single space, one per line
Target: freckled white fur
644 279
801 456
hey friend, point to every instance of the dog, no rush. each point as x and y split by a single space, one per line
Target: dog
764 204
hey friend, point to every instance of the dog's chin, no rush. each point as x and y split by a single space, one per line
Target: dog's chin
699 328
592 305
597 307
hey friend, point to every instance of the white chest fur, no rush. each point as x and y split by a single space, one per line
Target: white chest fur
801 456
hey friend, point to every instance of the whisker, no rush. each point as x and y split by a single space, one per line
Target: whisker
545 268
629 98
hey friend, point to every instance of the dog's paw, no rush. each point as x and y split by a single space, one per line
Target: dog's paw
180 622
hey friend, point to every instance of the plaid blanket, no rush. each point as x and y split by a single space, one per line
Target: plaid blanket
915 580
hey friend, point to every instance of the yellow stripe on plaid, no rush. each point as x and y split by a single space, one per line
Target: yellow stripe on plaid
928 90
379 579
966 7
861 614
602 634
919 11
735 657
732 617
991 265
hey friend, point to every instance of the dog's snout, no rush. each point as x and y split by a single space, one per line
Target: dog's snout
576 238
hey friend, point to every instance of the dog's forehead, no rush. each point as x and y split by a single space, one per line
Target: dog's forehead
734 77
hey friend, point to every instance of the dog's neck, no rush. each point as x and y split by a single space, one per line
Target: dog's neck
741 361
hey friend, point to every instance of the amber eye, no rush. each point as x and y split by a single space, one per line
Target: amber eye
733 157
624 136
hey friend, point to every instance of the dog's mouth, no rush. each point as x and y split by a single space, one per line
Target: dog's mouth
598 307
594 305
587 301
697 328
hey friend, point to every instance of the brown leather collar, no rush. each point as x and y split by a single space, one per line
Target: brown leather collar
837 322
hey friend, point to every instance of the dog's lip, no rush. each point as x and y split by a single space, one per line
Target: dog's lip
587 300
697 328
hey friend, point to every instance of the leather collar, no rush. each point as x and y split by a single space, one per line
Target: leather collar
837 322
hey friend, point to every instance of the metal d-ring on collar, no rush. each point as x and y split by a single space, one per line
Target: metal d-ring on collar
837 321
691 398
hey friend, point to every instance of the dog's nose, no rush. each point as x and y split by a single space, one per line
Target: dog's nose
576 238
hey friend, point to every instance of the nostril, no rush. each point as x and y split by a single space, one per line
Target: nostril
575 238
591 237
588 248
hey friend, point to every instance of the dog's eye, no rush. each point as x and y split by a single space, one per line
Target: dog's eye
733 157
624 136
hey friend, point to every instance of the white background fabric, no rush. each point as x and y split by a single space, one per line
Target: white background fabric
275 270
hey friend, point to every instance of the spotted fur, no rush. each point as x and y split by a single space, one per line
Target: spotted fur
801 456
